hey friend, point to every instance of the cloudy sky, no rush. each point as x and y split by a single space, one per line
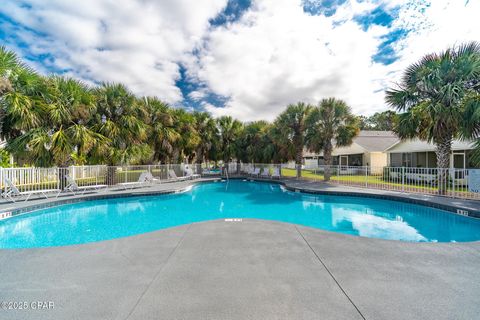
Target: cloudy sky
248 59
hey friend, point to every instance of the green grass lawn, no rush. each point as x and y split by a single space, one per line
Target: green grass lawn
362 180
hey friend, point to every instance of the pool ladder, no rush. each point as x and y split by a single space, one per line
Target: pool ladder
226 171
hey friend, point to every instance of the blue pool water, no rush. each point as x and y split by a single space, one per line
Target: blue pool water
114 218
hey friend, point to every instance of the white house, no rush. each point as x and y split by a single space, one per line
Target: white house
367 149
421 154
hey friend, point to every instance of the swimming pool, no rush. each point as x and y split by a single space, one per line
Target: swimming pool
98 220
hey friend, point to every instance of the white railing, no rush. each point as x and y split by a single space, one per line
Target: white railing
455 183
87 175
28 180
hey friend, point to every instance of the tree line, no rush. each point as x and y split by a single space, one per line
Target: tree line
58 121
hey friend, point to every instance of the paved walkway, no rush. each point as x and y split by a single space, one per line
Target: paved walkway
252 269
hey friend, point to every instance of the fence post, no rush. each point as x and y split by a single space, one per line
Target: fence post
59 183
403 179
454 193
366 176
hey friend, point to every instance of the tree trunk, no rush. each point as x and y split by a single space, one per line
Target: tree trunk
199 161
226 156
62 177
175 156
298 159
327 157
443 149
111 175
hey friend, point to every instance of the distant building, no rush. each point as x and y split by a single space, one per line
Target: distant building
367 149
421 154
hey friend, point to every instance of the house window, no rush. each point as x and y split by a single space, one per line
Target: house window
459 159
395 159
421 160
406 159
355 160
344 160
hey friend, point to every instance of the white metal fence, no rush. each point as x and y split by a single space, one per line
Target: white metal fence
455 183
30 180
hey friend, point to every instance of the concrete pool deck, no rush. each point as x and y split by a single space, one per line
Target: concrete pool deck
249 269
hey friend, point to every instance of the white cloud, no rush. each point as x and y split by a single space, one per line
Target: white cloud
277 54
274 55
197 95
134 42
442 24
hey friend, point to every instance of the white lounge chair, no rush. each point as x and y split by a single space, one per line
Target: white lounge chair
209 172
142 180
189 174
265 173
421 177
255 172
276 173
247 170
12 191
173 176
150 178
74 188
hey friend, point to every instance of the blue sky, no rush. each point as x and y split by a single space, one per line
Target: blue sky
244 58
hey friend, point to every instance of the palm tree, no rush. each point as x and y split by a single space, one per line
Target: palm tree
122 120
331 123
432 96
272 150
21 104
252 142
54 126
229 131
471 126
61 131
71 105
184 123
9 65
163 135
290 132
207 131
